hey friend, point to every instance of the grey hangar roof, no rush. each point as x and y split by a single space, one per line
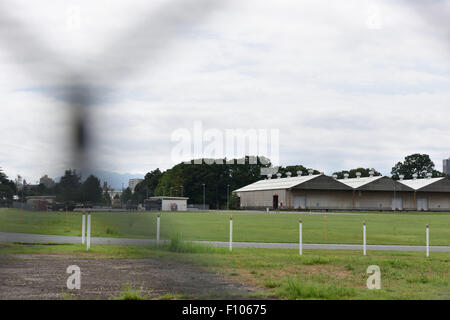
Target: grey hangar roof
375 183
318 181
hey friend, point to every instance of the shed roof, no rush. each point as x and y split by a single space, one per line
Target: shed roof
359 182
418 184
281 183
377 183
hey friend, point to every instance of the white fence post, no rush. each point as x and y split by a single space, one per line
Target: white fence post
158 216
83 228
88 239
364 238
300 243
428 240
231 233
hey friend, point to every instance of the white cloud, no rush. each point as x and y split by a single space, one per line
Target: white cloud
342 94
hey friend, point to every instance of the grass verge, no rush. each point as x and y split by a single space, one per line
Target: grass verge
382 228
283 274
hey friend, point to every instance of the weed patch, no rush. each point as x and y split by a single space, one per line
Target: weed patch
299 289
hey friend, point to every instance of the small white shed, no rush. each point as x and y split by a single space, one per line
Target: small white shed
164 203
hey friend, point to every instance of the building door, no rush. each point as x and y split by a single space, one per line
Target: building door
299 202
422 204
275 202
397 204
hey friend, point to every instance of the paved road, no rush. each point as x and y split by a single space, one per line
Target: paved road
40 238
292 212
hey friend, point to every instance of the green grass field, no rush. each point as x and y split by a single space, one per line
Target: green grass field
382 228
318 274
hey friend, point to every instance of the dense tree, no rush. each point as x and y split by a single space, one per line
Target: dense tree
365 172
147 187
69 187
92 190
38 190
126 195
7 189
419 164
106 198
234 201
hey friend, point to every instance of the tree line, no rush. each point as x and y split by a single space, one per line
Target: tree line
200 181
70 188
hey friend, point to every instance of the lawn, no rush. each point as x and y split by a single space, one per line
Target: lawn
318 274
382 228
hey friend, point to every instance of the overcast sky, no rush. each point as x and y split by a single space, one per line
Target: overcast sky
347 83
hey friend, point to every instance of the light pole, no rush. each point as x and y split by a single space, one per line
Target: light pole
204 191
171 191
228 193
181 187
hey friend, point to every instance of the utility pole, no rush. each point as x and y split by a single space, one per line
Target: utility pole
204 188
395 198
228 192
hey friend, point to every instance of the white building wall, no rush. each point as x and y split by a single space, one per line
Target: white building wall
377 200
436 200
344 200
261 199
181 204
324 199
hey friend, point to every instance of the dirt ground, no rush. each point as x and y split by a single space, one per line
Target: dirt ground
33 276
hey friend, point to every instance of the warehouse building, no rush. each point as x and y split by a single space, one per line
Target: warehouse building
300 192
430 194
321 192
376 193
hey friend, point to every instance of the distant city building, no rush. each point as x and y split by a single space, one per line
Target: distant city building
446 166
132 183
19 183
47 182
27 186
113 193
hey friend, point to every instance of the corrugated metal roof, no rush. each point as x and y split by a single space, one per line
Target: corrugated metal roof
359 182
419 183
273 184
